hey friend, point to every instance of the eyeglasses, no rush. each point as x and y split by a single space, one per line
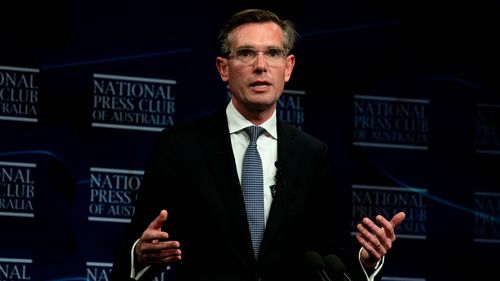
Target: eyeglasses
273 56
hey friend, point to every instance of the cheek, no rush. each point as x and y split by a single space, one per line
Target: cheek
282 77
238 75
240 71
233 73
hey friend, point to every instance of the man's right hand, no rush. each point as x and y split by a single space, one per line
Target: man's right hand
154 247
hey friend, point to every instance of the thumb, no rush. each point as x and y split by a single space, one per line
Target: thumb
398 219
159 220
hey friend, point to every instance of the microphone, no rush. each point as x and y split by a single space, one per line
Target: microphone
336 267
316 263
279 181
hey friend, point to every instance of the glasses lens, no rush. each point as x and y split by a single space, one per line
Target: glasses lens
246 55
273 56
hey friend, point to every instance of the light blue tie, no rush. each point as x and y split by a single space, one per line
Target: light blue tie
252 186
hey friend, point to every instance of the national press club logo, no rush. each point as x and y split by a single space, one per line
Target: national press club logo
18 94
132 103
290 107
487 128
391 122
17 189
487 217
15 269
372 200
112 194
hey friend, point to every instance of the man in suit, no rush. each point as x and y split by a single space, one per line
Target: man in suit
191 212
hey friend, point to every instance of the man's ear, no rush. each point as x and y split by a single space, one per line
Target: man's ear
290 63
222 66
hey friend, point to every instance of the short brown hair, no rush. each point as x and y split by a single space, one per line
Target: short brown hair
256 16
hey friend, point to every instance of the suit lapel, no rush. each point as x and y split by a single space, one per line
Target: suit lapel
219 156
287 155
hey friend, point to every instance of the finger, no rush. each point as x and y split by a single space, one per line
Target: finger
377 232
371 232
160 246
164 257
363 241
153 234
374 252
388 228
369 224
157 223
398 219
161 252
156 256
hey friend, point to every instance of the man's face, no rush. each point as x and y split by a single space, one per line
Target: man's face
256 84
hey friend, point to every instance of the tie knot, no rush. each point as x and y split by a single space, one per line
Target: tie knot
254 132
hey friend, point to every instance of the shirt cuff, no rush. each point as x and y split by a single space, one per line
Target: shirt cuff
376 269
133 274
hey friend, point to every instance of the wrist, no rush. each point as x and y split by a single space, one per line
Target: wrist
367 261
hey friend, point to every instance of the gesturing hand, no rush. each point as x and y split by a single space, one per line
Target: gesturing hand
377 238
154 247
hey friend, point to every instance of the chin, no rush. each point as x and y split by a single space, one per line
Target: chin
262 106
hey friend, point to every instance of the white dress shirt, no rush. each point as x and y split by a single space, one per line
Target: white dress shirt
267 145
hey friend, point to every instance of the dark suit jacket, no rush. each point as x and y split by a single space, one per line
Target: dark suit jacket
192 174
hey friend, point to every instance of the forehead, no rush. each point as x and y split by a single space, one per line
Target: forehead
267 34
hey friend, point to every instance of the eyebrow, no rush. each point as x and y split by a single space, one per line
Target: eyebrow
265 48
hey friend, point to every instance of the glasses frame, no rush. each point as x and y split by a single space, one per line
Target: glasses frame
248 55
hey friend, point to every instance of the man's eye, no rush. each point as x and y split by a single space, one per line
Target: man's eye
273 52
245 53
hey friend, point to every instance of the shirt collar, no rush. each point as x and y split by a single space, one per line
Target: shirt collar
237 122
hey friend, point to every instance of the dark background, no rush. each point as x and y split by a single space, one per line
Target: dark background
443 51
